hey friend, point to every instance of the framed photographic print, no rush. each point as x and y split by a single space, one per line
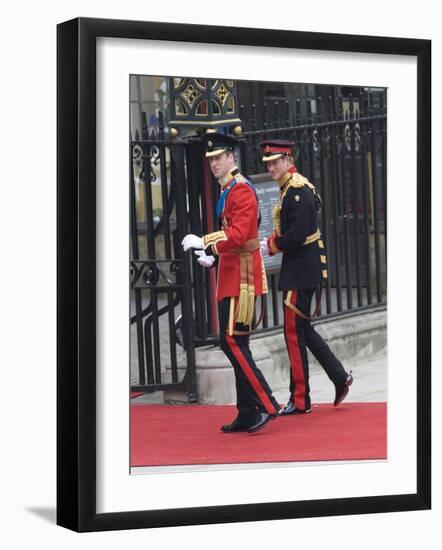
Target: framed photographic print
188 157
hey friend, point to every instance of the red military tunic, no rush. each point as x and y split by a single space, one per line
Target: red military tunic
239 222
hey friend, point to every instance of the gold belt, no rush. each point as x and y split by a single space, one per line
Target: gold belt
248 246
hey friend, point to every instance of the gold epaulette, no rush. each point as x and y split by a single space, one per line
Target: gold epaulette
296 182
240 178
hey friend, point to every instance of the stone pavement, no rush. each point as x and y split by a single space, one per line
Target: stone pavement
370 382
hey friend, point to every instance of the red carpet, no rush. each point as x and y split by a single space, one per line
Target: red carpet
165 435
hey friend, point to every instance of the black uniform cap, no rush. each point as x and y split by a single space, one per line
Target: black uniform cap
218 143
276 149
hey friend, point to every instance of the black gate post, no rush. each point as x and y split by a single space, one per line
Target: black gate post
178 160
135 256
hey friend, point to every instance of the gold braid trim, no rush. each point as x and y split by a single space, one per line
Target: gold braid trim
295 181
231 316
277 218
298 312
214 238
286 182
229 177
240 178
288 298
312 238
264 276
298 181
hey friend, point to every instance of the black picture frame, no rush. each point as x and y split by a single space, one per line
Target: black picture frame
76 274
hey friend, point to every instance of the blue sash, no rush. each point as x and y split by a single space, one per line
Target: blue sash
220 205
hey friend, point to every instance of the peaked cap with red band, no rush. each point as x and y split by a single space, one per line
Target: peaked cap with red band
275 149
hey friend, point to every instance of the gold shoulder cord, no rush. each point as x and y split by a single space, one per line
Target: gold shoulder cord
277 218
296 181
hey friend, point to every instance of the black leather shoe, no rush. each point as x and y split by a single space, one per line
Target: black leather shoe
261 422
291 409
235 426
342 390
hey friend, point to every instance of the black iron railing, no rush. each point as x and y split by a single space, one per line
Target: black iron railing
346 161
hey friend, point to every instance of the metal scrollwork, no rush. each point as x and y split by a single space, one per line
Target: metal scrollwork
134 273
154 154
151 158
151 273
358 138
176 269
137 154
327 143
315 140
347 137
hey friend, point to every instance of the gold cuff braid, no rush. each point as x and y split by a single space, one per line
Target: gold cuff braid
214 238
312 238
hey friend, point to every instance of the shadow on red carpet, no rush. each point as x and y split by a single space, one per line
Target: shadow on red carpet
166 435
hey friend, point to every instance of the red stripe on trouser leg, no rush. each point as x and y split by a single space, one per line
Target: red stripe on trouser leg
295 354
251 377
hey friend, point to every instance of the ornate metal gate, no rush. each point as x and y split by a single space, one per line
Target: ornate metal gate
161 288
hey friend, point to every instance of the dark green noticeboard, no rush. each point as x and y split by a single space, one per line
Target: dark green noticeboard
268 193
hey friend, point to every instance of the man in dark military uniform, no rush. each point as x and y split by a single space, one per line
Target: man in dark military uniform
297 237
241 277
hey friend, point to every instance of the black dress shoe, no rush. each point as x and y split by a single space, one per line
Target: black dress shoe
342 390
235 426
291 409
261 422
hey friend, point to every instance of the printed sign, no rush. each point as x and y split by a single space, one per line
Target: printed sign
268 193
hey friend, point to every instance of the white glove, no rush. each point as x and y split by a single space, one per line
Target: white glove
204 260
192 241
264 247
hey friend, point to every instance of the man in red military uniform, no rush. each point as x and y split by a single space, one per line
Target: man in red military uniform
297 237
241 277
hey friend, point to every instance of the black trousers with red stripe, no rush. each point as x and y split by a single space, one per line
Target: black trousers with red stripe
299 335
253 393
